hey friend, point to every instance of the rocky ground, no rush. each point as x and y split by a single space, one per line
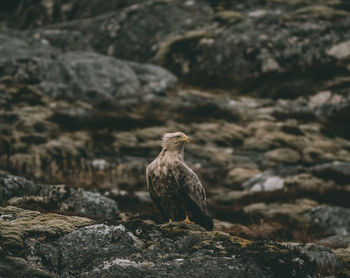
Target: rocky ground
87 88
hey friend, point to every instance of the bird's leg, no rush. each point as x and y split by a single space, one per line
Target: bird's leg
170 220
187 220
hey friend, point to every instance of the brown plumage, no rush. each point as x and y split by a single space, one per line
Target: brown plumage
174 187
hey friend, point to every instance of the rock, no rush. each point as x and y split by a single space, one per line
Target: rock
19 192
18 224
330 220
10 265
251 44
90 241
73 75
340 51
293 212
343 255
324 258
225 196
337 241
321 149
138 249
128 25
267 136
336 110
283 155
307 182
31 16
261 231
90 204
337 171
91 149
227 16
143 196
104 137
264 182
215 33
340 245
227 227
16 46
320 11
11 186
74 114
320 99
238 176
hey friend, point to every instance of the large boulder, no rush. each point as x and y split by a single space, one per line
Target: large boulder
277 50
136 249
12 186
20 192
88 76
330 220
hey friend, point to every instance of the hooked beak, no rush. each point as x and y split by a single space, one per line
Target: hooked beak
185 139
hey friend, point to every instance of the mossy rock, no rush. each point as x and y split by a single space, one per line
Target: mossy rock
227 16
320 12
180 227
16 224
201 235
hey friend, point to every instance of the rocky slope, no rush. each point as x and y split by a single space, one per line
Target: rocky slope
38 244
261 87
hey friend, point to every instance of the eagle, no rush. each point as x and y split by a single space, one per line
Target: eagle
174 187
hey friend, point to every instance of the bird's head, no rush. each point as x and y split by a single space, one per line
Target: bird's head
175 141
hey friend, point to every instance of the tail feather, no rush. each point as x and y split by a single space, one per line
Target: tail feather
201 218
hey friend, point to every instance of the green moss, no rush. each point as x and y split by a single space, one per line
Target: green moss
241 241
202 236
18 223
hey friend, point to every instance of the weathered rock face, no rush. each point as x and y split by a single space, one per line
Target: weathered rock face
330 220
134 248
20 192
35 244
80 101
288 49
116 82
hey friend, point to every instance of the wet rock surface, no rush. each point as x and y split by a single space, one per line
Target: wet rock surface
87 88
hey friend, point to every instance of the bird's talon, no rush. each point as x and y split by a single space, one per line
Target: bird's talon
187 220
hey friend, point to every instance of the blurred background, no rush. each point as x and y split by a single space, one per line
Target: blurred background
262 87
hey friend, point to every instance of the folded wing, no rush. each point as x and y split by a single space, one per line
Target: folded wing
194 192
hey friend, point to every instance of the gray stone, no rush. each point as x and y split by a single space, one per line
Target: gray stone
337 170
23 193
264 182
89 204
324 257
340 51
330 220
12 186
337 241
91 77
106 250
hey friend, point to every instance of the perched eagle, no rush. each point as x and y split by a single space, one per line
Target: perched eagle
174 187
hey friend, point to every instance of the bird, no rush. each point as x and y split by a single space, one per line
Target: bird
174 187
